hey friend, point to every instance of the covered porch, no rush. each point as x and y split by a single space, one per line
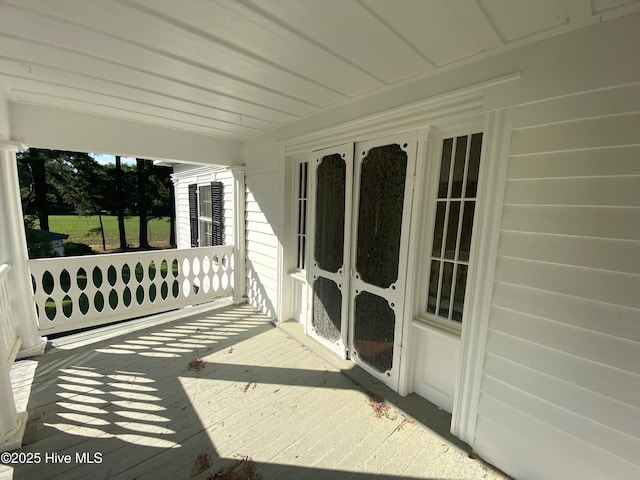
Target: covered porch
218 389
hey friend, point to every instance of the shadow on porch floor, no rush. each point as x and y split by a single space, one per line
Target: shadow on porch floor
222 390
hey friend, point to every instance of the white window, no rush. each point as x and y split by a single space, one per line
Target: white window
206 210
301 219
453 202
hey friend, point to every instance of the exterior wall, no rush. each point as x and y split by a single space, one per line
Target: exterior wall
562 373
558 391
263 220
186 175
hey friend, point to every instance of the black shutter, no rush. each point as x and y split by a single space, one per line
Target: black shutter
193 213
217 213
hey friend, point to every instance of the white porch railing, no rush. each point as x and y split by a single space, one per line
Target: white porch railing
9 341
79 292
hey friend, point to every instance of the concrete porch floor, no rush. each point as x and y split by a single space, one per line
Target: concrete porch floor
221 392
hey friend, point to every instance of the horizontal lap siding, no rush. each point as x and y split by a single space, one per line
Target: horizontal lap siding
560 396
261 241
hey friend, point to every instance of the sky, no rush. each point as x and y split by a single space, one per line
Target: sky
103 159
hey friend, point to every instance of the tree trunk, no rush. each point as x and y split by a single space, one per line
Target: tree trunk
120 200
172 215
142 202
104 243
40 190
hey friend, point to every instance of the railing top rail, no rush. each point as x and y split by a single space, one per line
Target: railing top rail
166 251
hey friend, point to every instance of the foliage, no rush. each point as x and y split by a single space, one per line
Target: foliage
56 182
38 245
74 249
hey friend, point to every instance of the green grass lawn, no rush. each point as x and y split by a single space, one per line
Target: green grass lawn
86 229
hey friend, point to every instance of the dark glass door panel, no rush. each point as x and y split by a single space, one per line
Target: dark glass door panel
380 208
374 326
330 212
327 309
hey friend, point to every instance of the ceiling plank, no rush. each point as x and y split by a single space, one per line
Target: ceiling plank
77 80
477 21
32 87
30 55
579 10
163 38
250 34
349 31
73 38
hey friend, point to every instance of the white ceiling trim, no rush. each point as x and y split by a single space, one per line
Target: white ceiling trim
463 102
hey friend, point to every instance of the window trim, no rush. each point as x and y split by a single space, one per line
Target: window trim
300 198
197 220
436 138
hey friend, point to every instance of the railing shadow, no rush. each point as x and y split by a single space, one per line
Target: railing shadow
155 403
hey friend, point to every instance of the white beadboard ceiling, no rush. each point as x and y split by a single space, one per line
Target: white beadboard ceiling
237 68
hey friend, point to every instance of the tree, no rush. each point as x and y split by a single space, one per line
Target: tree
35 160
143 203
120 204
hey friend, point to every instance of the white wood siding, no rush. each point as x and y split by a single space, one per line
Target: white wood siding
560 395
201 177
262 217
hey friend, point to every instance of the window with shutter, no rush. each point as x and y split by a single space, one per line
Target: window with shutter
211 214
193 214
217 213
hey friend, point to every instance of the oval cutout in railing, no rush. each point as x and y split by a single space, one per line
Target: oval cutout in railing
97 277
112 275
65 280
139 272
126 274
175 289
225 281
67 306
206 265
50 308
164 290
175 268
140 294
113 299
83 303
186 267
186 287
164 269
34 286
98 301
152 292
47 282
206 284
196 266
81 278
152 270
126 297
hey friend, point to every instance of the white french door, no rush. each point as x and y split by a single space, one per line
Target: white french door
328 254
360 209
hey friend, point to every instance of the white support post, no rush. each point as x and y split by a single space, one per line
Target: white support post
239 253
12 423
13 251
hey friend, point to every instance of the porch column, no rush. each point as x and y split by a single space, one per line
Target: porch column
13 251
12 423
239 270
